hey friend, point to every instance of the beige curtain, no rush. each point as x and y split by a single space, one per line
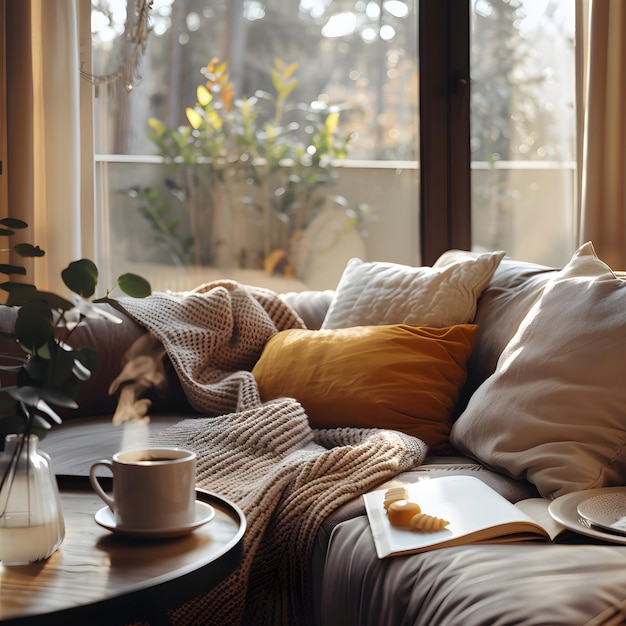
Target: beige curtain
602 128
50 151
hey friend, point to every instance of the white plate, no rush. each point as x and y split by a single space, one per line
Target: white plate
565 511
204 513
607 510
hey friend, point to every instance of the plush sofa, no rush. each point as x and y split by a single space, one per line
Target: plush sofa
539 410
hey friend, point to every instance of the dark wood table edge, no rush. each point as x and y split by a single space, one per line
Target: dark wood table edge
142 601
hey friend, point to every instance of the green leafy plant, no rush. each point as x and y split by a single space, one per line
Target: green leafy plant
280 152
46 370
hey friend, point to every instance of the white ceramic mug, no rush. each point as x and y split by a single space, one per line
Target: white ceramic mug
153 488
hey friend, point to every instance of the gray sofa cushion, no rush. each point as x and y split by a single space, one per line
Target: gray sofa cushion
508 584
434 466
514 288
311 306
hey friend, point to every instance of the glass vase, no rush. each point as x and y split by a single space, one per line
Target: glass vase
31 517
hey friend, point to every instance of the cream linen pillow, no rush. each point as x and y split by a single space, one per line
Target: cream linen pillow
554 410
373 293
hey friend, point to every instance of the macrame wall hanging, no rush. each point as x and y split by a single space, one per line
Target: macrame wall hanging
135 40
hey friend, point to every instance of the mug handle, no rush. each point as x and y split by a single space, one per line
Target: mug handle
97 487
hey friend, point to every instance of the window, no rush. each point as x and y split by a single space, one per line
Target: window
493 84
523 128
243 198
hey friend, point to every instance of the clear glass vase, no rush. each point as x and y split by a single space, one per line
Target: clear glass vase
31 517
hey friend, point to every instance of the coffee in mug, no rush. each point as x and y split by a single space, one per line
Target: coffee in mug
153 488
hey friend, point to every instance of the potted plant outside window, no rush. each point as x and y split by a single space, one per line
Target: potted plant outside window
248 175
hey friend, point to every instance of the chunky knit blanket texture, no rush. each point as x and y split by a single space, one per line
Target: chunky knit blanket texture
285 476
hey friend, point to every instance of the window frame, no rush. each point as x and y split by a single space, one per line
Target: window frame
445 198
4 194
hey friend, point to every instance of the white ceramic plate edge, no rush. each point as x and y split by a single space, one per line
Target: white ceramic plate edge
565 511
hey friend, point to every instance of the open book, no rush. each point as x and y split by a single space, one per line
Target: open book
476 512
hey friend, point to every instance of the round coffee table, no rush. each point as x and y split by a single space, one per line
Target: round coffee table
98 577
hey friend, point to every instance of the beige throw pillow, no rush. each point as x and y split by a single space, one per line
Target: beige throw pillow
373 293
554 411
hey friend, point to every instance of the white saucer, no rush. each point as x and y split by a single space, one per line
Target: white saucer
204 513
565 510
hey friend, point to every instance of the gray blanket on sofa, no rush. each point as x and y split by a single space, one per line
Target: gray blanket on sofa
284 475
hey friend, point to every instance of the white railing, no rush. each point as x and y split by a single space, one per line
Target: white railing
525 208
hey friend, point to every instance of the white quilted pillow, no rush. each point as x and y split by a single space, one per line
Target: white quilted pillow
371 293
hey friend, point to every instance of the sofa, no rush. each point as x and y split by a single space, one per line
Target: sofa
532 401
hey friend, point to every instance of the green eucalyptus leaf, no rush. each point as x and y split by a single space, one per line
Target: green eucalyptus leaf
16 358
54 377
8 268
12 222
41 423
88 357
5 232
28 395
59 369
8 405
9 285
43 351
81 277
57 398
80 371
33 372
34 326
134 285
12 423
55 301
28 250
19 293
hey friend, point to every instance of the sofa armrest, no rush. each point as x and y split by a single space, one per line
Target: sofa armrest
111 342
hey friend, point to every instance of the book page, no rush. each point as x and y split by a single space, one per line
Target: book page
537 508
476 512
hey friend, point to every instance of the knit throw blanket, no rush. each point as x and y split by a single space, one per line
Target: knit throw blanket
285 476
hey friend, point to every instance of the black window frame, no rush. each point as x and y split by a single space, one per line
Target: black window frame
444 101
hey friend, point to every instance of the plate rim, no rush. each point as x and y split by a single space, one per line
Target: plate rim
564 510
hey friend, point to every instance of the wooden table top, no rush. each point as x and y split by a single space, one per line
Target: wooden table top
98 577
78 443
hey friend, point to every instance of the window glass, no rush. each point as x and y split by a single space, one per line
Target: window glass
266 141
523 128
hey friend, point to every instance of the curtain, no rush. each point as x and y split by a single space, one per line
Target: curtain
49 143
602 128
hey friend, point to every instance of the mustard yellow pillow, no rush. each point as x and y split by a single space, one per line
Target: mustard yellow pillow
400 377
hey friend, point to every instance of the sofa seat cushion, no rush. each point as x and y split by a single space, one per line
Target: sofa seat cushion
433 467
507 584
